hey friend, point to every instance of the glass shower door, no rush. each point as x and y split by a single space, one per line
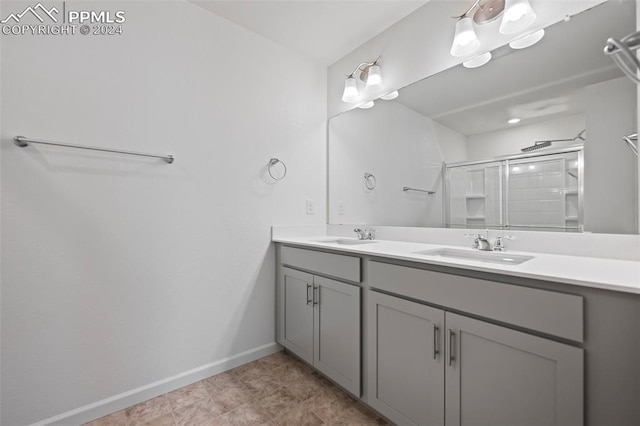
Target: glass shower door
543 192
475 196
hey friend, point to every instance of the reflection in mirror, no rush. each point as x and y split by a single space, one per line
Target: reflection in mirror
532 140
541 191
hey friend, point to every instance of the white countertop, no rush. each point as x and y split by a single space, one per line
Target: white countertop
609 274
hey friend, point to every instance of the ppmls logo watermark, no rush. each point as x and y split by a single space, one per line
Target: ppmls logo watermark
59 19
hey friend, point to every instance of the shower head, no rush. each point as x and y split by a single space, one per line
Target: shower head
537 145
544 144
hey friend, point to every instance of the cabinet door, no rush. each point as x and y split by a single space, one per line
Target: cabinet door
497 376
405 360
295 312
337 332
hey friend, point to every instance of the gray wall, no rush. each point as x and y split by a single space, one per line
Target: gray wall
610 181
117 271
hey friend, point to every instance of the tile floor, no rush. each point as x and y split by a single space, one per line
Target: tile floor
275 390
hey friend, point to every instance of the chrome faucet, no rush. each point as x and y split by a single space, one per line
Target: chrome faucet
365 234
476 243
498 244
483 242
480 242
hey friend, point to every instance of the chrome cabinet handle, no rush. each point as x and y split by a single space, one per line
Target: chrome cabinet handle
452 336
308 298
436 352
316 300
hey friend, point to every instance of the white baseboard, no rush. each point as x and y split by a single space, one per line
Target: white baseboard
126 399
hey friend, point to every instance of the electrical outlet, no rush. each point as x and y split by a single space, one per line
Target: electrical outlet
311 208
340 207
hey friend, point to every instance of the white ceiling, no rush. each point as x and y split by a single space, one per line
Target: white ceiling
323 30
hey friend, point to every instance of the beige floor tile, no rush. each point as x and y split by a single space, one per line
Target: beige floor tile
280 402
329 404
245 415
254 367
145 412
290 372
188 395
276 360
228 398
201 413
163 420
116 419
276 390
261 385
222 381
357 415
300 416
307 386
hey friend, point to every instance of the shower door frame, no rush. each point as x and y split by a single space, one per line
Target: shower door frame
504 188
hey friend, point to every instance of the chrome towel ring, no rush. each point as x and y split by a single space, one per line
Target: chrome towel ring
369 181
270 166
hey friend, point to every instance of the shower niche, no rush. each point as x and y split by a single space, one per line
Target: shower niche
529 191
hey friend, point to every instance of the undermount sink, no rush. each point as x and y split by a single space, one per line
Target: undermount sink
481 256
348 241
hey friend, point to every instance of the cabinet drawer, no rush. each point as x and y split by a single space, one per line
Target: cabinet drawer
556 314
334 265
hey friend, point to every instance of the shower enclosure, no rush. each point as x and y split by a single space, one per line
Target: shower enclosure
537 190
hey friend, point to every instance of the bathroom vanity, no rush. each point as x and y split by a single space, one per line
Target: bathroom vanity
430 340
433 333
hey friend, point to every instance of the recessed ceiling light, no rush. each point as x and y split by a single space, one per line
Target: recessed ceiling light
477 61
390 96
513 120
528 40
366 105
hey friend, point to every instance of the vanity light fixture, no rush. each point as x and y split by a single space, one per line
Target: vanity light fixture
517 15
527 40
465 41
350 93
374 77
477 61
367 72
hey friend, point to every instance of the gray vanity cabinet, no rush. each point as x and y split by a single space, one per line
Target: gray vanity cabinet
296 292
405 360
337 332
498 376
319 321
426 365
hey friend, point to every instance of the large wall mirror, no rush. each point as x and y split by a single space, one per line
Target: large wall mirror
532 140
